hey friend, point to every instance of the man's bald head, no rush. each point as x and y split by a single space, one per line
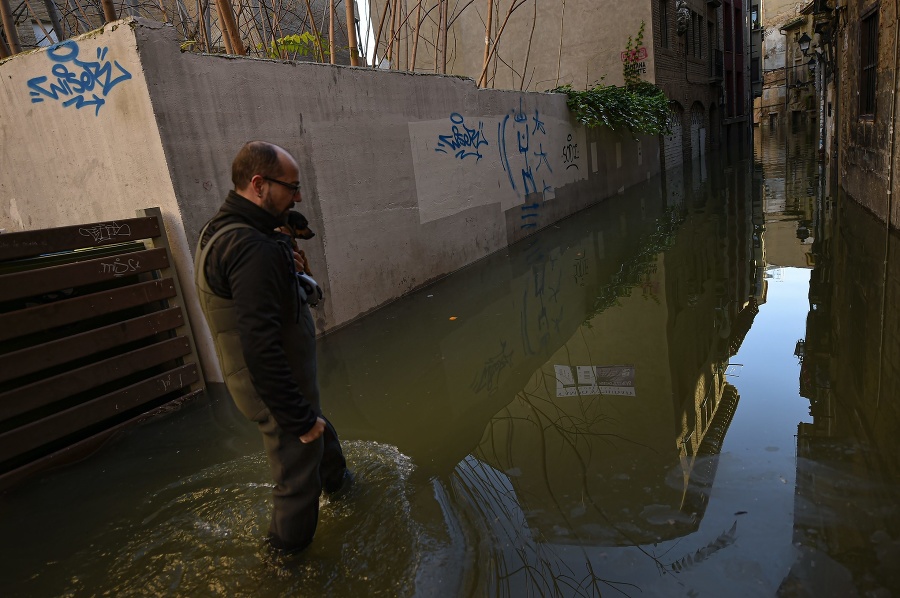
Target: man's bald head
257 157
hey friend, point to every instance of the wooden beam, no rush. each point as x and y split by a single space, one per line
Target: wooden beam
55 353
26 438
56 388
64 238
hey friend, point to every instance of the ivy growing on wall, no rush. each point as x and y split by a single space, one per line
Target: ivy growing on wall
638 106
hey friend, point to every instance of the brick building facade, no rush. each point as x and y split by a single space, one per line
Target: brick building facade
700 48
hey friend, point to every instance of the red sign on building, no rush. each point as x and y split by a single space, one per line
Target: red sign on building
635 55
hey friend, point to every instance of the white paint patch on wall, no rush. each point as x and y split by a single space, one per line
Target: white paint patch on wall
519 154
87 146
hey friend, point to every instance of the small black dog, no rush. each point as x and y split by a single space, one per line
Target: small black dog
298 228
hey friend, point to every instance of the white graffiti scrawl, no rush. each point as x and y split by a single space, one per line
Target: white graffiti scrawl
77 82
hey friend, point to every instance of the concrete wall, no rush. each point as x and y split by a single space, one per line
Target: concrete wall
405 177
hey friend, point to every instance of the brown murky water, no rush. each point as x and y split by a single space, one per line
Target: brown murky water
687 390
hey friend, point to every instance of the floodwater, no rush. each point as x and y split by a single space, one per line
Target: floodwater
690 389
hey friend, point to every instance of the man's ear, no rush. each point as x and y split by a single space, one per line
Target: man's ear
256 184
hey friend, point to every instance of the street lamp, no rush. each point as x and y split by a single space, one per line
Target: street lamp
804 42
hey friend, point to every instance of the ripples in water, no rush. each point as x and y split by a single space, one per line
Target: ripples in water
204 535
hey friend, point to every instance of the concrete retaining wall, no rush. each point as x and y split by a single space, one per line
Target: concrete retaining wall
405 177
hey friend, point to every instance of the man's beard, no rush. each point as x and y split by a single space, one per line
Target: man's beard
268 205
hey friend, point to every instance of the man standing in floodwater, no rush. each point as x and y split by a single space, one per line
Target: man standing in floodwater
265 337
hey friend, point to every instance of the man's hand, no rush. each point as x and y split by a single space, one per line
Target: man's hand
301 263
316 431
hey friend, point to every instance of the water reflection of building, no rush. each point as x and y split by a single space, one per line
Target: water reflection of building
597 462
418 367
849 456
788 195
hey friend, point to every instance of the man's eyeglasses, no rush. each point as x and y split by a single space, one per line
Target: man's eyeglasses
294 187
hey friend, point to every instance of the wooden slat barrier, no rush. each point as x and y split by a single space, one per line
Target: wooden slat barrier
92 336
15 246
55 278
67 311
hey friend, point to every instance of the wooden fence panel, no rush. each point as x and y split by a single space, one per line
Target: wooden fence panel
66 311
15 246
93 336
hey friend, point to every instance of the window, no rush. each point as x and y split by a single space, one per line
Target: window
727 20
699 36
868 58
695 36
664 23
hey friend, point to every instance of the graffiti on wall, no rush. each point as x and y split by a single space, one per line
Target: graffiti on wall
77 82
462 141
518 159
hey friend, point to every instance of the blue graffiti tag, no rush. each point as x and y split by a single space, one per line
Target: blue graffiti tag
525 133
528 214
75 85
462 140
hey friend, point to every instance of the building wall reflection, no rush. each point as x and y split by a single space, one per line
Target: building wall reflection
644 457
849 455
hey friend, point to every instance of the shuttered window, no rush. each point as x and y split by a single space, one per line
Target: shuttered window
868 57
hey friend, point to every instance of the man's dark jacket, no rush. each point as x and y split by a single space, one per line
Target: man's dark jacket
251 272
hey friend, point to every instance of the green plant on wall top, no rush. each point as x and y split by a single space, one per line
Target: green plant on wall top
638 106
292 46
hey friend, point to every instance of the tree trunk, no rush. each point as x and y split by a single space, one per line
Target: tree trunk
53 13
109 11
226 18
444 38
351 33
315 30
331 30
387 5
9 28
487 42
416 38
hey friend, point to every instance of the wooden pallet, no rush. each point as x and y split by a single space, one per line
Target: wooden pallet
93 337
